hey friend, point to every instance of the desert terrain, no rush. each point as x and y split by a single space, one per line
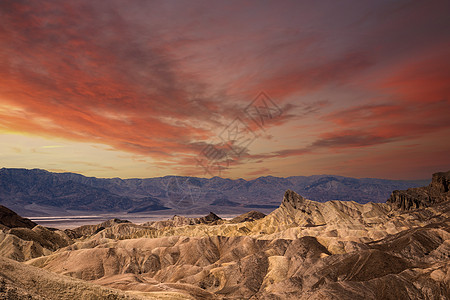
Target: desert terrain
302 250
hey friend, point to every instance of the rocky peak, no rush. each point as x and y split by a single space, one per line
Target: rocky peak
436 192
211 217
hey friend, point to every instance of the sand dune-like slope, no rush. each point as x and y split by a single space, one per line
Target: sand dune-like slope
23 243
20 281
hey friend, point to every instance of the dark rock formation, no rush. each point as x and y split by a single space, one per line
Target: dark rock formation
292 200
248 217
177 221
87 230
10 219
22 239
210 218
414 198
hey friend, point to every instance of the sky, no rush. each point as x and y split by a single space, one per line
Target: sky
237 89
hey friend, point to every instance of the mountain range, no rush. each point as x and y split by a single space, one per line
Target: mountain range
38 192
304 249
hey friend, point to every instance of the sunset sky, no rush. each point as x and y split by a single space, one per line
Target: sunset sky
253 88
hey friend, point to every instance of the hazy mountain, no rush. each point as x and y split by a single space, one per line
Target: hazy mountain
39 192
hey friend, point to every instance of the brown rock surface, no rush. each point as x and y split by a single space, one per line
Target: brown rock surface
10 219
22 239
436 192
248 217
88 230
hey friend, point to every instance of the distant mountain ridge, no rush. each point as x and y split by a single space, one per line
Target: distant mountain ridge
36 192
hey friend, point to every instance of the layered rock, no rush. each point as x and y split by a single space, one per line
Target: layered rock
402 266
23 243
414 198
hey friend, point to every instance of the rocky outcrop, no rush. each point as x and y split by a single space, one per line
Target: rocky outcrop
87 230
177 221
414 198
248 217
292 200
208 219
23 243
10 219
21 239
300 211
